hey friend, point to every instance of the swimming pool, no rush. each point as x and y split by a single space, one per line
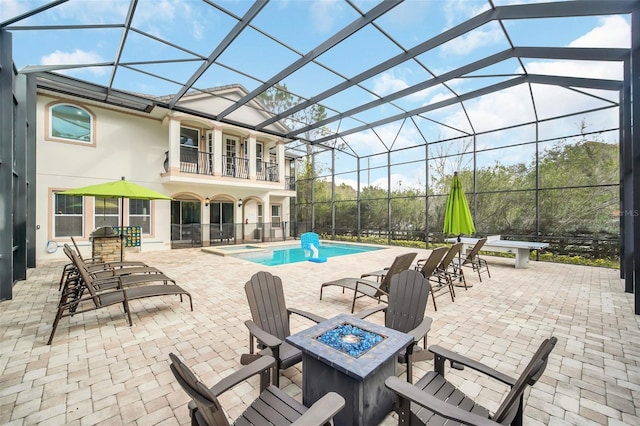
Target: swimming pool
282 255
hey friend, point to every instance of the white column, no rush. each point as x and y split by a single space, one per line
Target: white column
206 218
280 160
251 152
217 150
174 145
266 216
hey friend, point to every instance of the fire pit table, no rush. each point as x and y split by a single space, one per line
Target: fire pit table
352 357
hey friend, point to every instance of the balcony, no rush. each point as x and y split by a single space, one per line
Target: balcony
235 167
267 171
194 161
204 163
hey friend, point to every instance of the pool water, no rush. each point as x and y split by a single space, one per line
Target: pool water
283 255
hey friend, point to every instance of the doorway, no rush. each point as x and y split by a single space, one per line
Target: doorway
222 227
186 229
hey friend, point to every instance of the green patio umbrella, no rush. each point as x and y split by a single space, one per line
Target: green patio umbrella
118 189
457 216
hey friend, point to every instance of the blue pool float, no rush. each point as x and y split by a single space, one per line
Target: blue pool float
310 243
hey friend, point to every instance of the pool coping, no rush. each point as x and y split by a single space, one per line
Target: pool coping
250 248
255 248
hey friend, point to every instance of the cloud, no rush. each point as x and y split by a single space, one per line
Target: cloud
388 83
614 31
459 10
77 57
12 8
368 142
474 40
398 181
323 13
513 106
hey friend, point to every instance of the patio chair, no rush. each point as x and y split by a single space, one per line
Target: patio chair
93 264
101 294
380 273
434 400
270 322
473 260
370 288
221 232
273 406
448 272
408 295
427 267
125 276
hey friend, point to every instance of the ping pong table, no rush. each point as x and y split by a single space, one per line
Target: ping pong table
494 243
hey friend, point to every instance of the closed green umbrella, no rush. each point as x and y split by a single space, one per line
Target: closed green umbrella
457 216
118 189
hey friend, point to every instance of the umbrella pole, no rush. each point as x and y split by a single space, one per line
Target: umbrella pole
121 228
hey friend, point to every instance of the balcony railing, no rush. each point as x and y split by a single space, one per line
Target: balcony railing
235 167
194 161
200 162
290 183
267 171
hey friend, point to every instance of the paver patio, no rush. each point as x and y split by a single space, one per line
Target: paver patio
101 371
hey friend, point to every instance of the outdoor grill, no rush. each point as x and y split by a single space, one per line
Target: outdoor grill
106 244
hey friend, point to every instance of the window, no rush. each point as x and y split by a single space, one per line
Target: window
275 215
260 213
107 212
189 145
67 216
259 157
140 215
70 122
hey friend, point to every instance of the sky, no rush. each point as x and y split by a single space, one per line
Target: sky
303 25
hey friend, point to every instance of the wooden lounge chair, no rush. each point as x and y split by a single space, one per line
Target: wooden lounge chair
370 288
428 268
270 322
82 293
433 400
473 260
272 407
408 295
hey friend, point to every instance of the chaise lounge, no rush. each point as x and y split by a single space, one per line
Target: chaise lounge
370 288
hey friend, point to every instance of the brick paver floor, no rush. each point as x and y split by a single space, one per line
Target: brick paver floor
101 371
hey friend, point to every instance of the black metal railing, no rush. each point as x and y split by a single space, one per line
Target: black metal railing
267 171
213 234
290 183
235 167
194 161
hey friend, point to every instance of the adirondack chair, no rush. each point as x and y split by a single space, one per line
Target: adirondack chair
408 295
272 407
375 289
270 322
473 260
433 400
428 267
101 294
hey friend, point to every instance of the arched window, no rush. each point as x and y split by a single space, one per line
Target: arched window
70 122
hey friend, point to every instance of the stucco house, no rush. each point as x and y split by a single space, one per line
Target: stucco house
227 184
